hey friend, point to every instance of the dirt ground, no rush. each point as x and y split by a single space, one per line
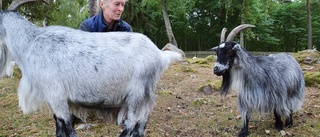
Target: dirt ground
186 111
181 110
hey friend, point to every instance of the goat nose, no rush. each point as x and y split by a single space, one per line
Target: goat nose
215 69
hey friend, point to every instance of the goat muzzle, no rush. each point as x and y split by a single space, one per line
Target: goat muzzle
218 71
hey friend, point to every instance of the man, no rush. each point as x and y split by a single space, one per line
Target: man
108 19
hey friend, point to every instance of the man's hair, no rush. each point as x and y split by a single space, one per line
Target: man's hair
110 0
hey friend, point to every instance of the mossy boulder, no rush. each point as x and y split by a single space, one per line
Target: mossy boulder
307 56
208 60
188 69
210 87
312 78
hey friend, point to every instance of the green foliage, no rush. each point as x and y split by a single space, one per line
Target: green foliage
280 25
60 13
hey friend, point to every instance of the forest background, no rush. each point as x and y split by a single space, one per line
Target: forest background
281 25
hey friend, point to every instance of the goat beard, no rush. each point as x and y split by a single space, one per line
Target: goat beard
226 81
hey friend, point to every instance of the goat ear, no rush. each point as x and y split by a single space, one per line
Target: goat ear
214 48
236 47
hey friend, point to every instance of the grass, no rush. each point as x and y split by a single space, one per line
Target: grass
181 110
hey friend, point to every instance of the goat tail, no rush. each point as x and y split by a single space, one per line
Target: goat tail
295 103
30 99
172 57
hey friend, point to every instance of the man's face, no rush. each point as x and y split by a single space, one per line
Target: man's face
112 9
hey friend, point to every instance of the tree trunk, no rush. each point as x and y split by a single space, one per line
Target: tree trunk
242 22
93 7
309 26
171 37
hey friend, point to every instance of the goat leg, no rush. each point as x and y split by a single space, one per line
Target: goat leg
75 120
126 132
60 132
64 128
278 124
289 121
136 131
245 129
130 126
139 129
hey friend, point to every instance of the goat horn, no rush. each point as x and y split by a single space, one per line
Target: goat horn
236 30
223 34
16 3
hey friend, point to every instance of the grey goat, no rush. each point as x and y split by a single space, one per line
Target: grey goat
266 84
79 73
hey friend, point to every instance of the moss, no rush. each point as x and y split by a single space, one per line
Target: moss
164 92
188 69
209 58
201 87
201 61
216 85
312 78
200 101
205 66
17 72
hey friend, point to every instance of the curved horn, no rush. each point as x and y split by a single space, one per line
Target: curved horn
16 3
223 34
236 30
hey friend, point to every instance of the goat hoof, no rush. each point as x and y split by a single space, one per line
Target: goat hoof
243 133
289 125
279 127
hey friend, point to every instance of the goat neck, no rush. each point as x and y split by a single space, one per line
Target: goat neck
10 31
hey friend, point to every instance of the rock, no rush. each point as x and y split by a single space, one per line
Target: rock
174 48
208 89
267 132
308 60
85 126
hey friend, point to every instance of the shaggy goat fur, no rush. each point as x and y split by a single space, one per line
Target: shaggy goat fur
76 72
266 84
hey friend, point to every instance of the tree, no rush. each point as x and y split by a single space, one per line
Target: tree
309 25
93 7
170 34
58 12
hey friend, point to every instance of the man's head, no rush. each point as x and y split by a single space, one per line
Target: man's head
112 9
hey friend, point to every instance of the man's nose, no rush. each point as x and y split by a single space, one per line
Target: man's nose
121 8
